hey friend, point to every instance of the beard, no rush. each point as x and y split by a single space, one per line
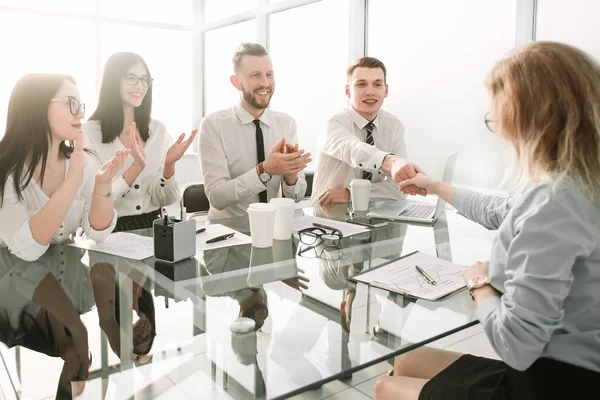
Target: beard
250 97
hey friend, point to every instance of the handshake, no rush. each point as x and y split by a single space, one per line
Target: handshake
287 160
409 177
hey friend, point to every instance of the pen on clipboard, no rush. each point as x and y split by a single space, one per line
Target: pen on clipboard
200 230
222 237
425 275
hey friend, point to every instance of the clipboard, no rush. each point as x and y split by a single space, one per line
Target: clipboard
403 278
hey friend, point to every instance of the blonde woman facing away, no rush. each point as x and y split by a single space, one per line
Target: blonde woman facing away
538 297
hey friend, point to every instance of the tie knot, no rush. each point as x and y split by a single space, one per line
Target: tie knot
257 122
370 126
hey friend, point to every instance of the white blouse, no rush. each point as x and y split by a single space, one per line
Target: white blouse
15 214
150 190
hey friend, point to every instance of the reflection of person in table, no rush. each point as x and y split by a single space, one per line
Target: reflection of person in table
40 304
538 297
108 297
220 265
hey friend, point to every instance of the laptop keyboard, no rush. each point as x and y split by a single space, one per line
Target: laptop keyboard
418 211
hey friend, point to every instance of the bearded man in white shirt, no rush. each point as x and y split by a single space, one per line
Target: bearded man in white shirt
362 142
249 153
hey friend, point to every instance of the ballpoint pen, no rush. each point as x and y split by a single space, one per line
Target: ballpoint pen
425 275
325 226
219 238
200 230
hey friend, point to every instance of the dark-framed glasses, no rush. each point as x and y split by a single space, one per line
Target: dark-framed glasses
489 122
331 253
75 106
132 80
314 236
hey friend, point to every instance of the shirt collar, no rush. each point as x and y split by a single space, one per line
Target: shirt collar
361 121
246 118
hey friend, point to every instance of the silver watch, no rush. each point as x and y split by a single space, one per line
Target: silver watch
263 176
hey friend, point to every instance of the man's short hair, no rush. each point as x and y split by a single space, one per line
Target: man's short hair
247 49
366 62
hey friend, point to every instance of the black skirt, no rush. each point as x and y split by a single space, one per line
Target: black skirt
475 378
133 222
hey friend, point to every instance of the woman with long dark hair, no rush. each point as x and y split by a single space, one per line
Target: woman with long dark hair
49 186
122 121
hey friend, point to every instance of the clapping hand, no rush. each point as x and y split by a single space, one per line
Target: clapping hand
137 146
283 161
112 167
178 149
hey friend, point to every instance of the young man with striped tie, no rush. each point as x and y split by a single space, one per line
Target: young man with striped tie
362 141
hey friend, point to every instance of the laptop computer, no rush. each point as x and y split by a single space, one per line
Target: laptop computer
413 211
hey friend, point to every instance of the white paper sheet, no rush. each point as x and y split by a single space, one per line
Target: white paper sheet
306 221
402 277
121 244
218 230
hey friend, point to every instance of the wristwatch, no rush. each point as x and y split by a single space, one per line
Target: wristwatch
262 174
477 282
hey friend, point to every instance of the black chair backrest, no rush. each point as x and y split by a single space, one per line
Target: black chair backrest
309 175
194 198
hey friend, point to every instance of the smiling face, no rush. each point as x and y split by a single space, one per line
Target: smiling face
255 81
63 124
366 91
132 95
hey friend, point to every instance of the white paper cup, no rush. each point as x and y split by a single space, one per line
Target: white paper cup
262 221
360 191
283 217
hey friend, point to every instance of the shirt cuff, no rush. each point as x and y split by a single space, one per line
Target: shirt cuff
253 181
120 187
23 245
459 198
374 163
486 307
99 236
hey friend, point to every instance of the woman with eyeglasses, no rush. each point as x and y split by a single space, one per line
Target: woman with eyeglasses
49 185
122 121
538 297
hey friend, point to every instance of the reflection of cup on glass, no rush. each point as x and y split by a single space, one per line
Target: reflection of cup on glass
283 217
262 221
360 191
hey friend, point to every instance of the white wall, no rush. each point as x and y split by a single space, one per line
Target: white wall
575 22
438 54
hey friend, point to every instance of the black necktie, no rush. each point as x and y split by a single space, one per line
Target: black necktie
369 128
260 152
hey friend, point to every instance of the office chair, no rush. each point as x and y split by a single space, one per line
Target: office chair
309 175
194 199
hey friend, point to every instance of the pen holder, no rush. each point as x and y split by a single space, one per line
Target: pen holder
174 240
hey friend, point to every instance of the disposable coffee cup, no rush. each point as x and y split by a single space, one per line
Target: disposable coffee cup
283 217
360 192
262 221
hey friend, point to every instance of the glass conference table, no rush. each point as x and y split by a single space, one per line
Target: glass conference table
237 322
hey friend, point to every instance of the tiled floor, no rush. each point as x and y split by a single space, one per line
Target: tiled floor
178 385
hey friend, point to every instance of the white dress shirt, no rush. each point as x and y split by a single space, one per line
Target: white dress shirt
150 190
15 214
343 154
229 159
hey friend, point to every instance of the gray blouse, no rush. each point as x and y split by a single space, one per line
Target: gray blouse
546 263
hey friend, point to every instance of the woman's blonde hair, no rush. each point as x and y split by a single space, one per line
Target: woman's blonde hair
546 101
